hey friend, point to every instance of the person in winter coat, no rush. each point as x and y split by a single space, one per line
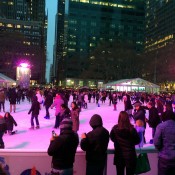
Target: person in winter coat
139 114
64 113
115 101
35 108
57 104
3 129
47 103
125 137
127 105
2 100
12 99
95 143
10 121
154 118
164 141
62 148
75 111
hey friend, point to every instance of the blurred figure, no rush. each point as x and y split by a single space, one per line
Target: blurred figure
3 129
64 113
47 103
10 121
139 126
114 99
153 119
95 143
2 100
127 105
35 108
75 112
57 104
164 141
125 137
62 148
12 99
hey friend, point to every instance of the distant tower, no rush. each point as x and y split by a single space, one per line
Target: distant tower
25 20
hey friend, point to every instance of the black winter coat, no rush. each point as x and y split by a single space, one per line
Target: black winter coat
154 118
95 144
63 149
10 121
49 100
12 96
140 115
35 107
124 143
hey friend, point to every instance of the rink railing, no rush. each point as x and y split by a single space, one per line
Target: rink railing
17 161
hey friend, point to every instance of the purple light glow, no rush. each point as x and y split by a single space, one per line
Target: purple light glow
24 65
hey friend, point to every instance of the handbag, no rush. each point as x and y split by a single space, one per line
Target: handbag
142 165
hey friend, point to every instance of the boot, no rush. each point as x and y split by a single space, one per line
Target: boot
37 127
32 128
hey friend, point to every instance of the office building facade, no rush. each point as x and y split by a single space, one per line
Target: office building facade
159 39
25 23
86 23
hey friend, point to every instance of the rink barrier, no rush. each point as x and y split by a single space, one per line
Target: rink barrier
16 161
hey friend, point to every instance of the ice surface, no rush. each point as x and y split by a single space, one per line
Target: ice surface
39 138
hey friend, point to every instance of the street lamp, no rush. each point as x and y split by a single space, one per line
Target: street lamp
23 74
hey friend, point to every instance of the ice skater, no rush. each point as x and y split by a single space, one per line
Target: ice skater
35 108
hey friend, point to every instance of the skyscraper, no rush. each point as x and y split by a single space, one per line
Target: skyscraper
23 31
159 39
82 24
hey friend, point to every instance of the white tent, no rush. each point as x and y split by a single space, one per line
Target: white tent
6 81
136 84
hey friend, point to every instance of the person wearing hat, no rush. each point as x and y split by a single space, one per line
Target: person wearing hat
62 148
95 144
139 114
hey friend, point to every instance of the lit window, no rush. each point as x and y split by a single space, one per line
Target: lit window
10 3
18 26
9 25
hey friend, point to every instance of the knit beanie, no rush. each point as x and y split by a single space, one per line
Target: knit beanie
66 124
96 121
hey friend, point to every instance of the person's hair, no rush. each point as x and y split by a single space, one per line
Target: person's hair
139 123
64 106
75 105
123 121
168 115
9 115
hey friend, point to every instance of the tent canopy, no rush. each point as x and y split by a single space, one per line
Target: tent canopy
135 84
5 79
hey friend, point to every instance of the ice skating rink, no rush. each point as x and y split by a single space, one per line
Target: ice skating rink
39 139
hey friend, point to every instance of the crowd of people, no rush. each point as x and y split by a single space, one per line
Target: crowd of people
126 136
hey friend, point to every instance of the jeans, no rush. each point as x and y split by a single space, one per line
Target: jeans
36 119
47 111
166 167
63 172
12 106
